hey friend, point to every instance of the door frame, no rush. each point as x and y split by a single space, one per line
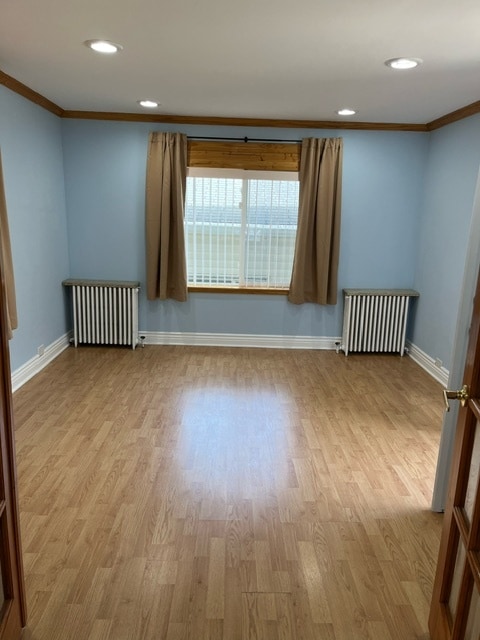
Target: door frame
14 610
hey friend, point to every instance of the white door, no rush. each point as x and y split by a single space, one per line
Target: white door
472 265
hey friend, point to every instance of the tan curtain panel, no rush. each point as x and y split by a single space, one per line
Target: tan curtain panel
7 263
165 203
315 265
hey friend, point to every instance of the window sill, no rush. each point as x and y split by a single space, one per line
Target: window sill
240 290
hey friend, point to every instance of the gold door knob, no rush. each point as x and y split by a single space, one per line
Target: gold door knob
461 394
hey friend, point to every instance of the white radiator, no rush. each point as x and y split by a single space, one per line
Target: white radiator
375 320
104 312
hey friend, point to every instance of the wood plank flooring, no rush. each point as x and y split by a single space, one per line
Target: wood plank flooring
209 493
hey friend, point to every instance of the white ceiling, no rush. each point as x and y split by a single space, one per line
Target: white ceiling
249 58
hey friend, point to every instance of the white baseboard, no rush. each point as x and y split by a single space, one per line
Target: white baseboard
426 362
21 375
237 340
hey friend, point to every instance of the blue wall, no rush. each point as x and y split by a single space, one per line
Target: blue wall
450 182
105 166
75 197
31 146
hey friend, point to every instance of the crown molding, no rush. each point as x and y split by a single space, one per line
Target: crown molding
22 89
30 94
454 116
242 122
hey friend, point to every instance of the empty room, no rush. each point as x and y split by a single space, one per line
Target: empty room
240 330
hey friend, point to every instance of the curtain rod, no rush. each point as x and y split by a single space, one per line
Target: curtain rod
245 139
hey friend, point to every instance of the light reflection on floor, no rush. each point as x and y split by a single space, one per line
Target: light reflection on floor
233 442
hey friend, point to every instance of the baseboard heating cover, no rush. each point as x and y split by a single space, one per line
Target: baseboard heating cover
375 320
104 312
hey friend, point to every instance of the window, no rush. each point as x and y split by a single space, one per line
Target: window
240 228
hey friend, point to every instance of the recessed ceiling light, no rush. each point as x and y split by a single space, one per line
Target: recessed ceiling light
346 112
403 63
148 104
103 46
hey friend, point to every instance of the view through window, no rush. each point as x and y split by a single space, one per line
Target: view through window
240 228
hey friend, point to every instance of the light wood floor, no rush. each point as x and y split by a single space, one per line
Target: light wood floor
202 493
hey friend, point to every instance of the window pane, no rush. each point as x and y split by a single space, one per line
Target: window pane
473 625
240 232
272 214
457 578
212 230
473 476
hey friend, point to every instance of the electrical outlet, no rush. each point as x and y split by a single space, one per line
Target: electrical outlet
41 350
438 363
